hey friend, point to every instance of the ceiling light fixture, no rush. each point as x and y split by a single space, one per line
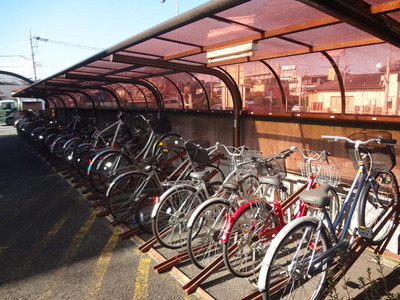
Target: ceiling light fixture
239 51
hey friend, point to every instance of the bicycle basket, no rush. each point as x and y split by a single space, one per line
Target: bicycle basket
383 156
245 161
324 173
272 167
197 153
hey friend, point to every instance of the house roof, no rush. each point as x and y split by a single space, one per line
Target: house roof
354 82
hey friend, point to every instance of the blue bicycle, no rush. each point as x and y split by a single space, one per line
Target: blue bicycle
297 262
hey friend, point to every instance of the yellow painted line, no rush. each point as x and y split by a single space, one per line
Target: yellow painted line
102 264
69 254
142 280
78 238
43 243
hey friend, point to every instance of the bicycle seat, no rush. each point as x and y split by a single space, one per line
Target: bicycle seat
149 161
273 180
201 175
231 186
318 196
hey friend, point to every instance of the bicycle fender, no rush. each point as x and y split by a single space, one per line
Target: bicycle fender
103 152
120 176
205 203
262 279
231 220
167 193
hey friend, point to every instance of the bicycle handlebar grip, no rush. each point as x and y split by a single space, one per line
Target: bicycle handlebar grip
329 137
285 150
388 141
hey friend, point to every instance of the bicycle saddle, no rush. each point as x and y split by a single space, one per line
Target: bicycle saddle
201 175
149 161
231 185
273 180
318 196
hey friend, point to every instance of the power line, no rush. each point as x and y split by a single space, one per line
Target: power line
65 43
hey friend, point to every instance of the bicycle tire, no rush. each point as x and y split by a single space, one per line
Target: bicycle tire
143 211
57 148
334 205
205 229
246 243
283 273
69 147
105 166
371 208
126 191
173 212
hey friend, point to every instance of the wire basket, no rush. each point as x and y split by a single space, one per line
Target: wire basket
197 153
383 156
323 173
271 167
244 162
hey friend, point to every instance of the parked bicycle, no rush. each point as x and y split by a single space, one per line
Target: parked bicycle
297 262
205 225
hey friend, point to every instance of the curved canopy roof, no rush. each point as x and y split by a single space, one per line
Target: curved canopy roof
135 72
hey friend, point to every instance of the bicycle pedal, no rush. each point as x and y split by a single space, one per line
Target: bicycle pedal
365 232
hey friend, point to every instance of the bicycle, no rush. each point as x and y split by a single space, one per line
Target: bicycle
205 225
126 154
255 223
297 262
132 195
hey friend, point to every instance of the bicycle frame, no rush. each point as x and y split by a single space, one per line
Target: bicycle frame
321 259
276 207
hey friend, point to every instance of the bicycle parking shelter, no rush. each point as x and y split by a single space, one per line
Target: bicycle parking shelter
272 73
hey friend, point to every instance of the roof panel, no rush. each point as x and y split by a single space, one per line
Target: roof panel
282 28
207 32
269 15
329 35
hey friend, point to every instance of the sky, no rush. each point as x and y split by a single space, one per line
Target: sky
93 23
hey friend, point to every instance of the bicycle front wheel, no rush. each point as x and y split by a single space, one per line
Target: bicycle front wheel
248 238
286 267
170 220
379 199
205 230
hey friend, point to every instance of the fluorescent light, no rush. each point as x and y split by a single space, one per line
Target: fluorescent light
244 50
232 56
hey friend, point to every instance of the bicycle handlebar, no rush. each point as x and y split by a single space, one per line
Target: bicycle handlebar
378 140
235 152
319 154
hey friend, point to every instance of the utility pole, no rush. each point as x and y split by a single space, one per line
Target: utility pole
33 57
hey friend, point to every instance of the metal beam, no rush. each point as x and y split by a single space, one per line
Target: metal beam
358 15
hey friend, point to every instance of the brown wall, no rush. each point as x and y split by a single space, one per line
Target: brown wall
271 136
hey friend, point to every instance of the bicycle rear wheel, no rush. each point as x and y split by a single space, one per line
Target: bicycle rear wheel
248 238
170 220
126 191
205 230
105 166
285 273
379 199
